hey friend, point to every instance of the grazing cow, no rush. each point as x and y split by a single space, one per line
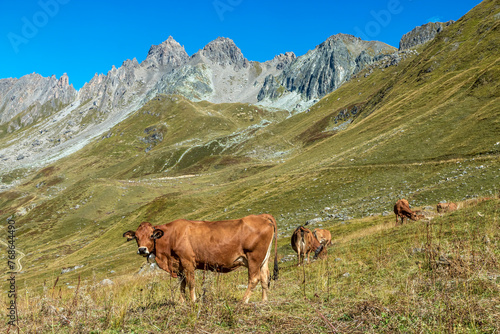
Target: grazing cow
420 214
324 236
304 242
182 246
446 207
402 209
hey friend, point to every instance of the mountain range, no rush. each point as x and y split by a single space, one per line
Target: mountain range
45 119
64 119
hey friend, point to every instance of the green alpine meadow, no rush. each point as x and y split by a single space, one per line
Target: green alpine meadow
421 124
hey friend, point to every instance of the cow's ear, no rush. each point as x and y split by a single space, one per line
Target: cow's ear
130 235
157 234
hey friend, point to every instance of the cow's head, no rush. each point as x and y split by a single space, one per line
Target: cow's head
144 237
320 252
319 249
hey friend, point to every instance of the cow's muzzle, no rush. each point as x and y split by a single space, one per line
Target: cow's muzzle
143 251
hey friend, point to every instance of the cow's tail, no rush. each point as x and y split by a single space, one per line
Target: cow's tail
276 268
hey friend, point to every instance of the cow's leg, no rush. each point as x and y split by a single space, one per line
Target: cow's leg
182 277
264 279
189 274
253 278
190 284
252 282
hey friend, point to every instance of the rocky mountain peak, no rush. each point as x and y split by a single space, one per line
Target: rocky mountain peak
63 81
355 45
132 63
31 92
334 40
168 54
342 37
324 69
285 56
422 34
284 59
224 52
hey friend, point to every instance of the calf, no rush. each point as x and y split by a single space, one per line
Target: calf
303 242
324 236
402 210
446 207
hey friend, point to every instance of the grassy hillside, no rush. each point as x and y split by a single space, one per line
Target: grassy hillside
441 275
426 130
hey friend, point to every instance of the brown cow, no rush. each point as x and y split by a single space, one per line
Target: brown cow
303 242
446 207
402 209
324 236
182 246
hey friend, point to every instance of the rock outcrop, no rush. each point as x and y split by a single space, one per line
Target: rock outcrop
422 34
284 59
32 96
168 55
323 69
224 52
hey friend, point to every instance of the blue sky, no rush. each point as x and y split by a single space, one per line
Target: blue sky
82 38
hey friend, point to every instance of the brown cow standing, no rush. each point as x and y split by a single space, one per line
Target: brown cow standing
324 236
446 207
182 246
303 242
402 209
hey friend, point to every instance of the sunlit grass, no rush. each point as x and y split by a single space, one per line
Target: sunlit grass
440 275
